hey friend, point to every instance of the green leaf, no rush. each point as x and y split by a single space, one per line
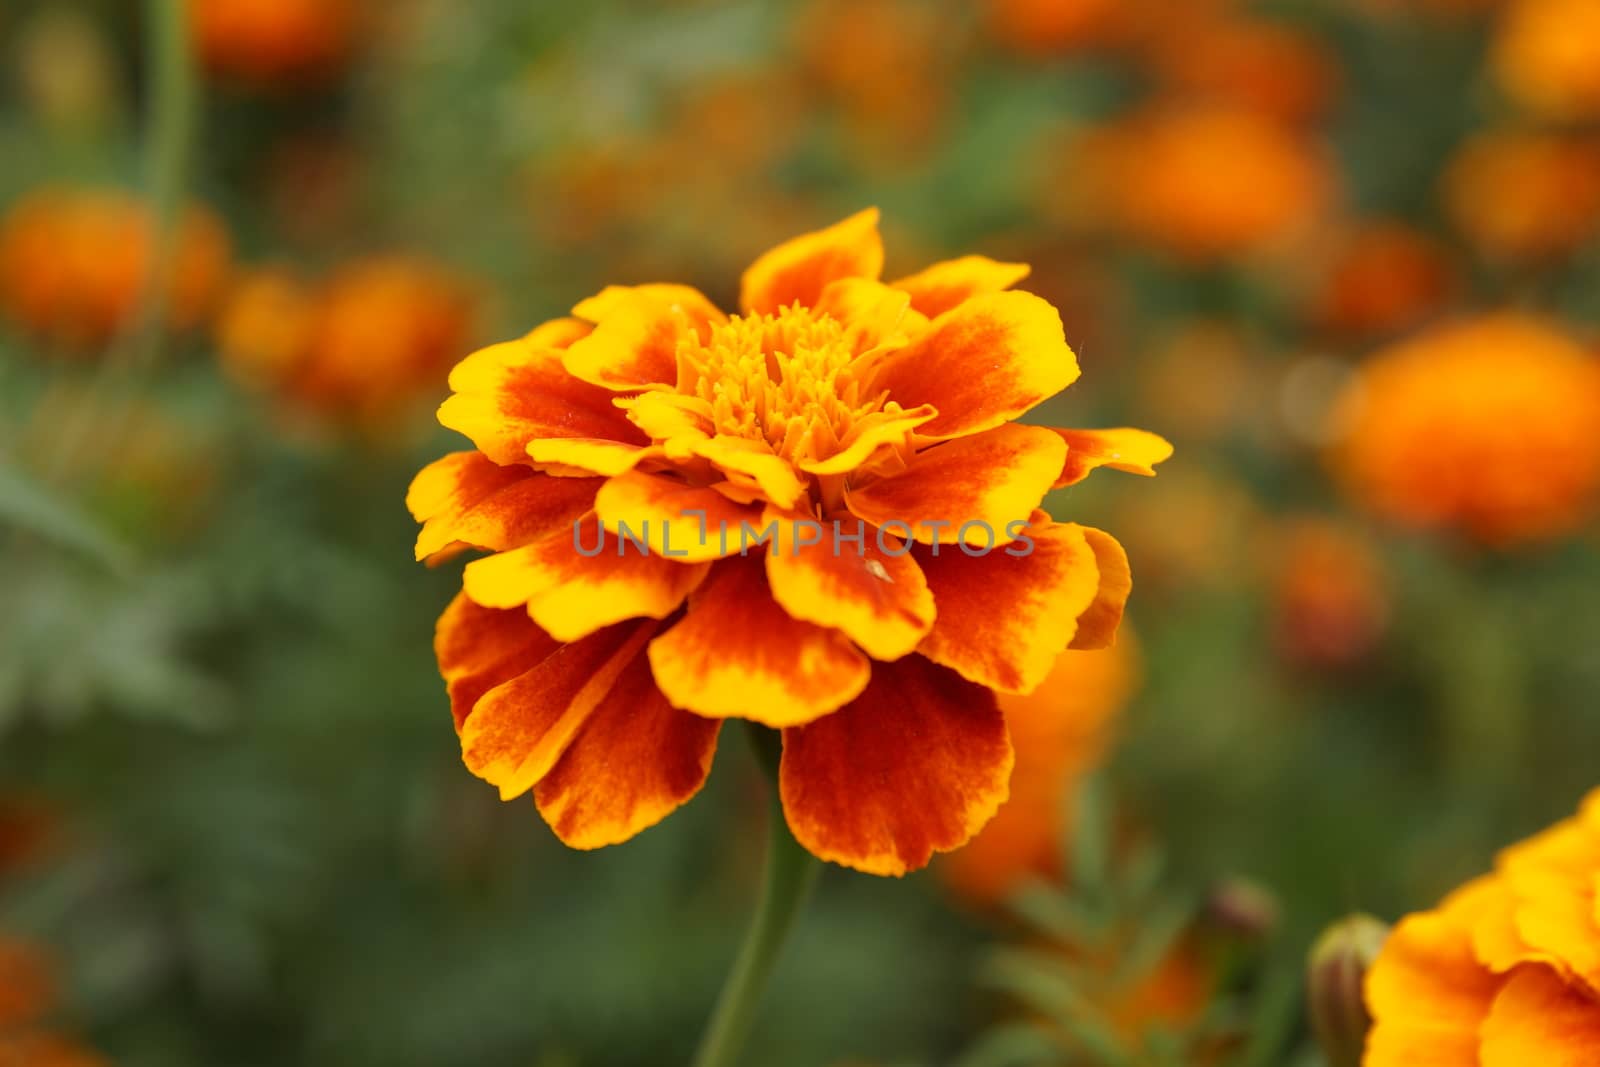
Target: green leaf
30 507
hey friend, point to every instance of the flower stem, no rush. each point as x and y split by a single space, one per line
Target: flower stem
786 882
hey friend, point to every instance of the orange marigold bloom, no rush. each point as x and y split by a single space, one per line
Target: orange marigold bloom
1060 732
1525 196
27 984
73 264
1048 27
1506 971
364 346
274 42
1211 182
1271 69
1547 56
1383 277
599 681
1329 601
1491 425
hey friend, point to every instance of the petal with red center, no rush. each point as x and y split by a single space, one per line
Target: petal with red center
580 579
942 286
915 765
518 729
1428 994
479 648
970 490
634 761
468 499
982 363
737 654
678 521
635 340
1097 626
1539 1019
513 393
1004 618
879 599
872 313
1128 450
753 463
798 270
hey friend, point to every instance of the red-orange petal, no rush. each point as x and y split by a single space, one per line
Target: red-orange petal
936 289
573 593
1128 450
798 270
479 648
990 480
518 729
513 393
737 654
1003 619
878 599
915 765
982 363
467 498
637 329
1538 1020
1098 625
634 761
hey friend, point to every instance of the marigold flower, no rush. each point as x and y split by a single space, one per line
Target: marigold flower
1329 601
1525 196
274 42
364 346
600 682
1506 971
1211 182
1491 425
1048 27
1547 56
73 264
27 984
1268 68
1383 277
1060 732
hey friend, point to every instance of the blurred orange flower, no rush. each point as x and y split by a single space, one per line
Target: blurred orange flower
1491 425
1060 732
1525 196
1383 277
27 984
1329 594
1547 57
1048 27
1211 182
73 263
598 677
274 42
365 346
1506 971
1265 67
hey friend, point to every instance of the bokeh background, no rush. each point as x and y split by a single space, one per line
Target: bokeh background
1340 252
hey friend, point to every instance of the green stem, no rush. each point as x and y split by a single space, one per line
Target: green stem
785 883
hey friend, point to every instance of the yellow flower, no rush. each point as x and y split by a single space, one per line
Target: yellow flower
1506 971
1491 425
880 414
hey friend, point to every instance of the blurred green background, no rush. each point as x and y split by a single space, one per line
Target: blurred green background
232 811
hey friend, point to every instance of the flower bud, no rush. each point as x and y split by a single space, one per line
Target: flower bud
1335 974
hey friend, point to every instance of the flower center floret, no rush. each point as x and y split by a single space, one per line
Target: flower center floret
786 379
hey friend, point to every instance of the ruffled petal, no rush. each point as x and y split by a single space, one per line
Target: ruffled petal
479 648
753 463
878 433
878 599
678 521
513 393
1129 450
578 580
634 761
982 484
1003 619
1540 1021
982 363
518 729
943 286
1098 625
466 498
587 457
915 765
798 270
872 313
737 654
637 329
